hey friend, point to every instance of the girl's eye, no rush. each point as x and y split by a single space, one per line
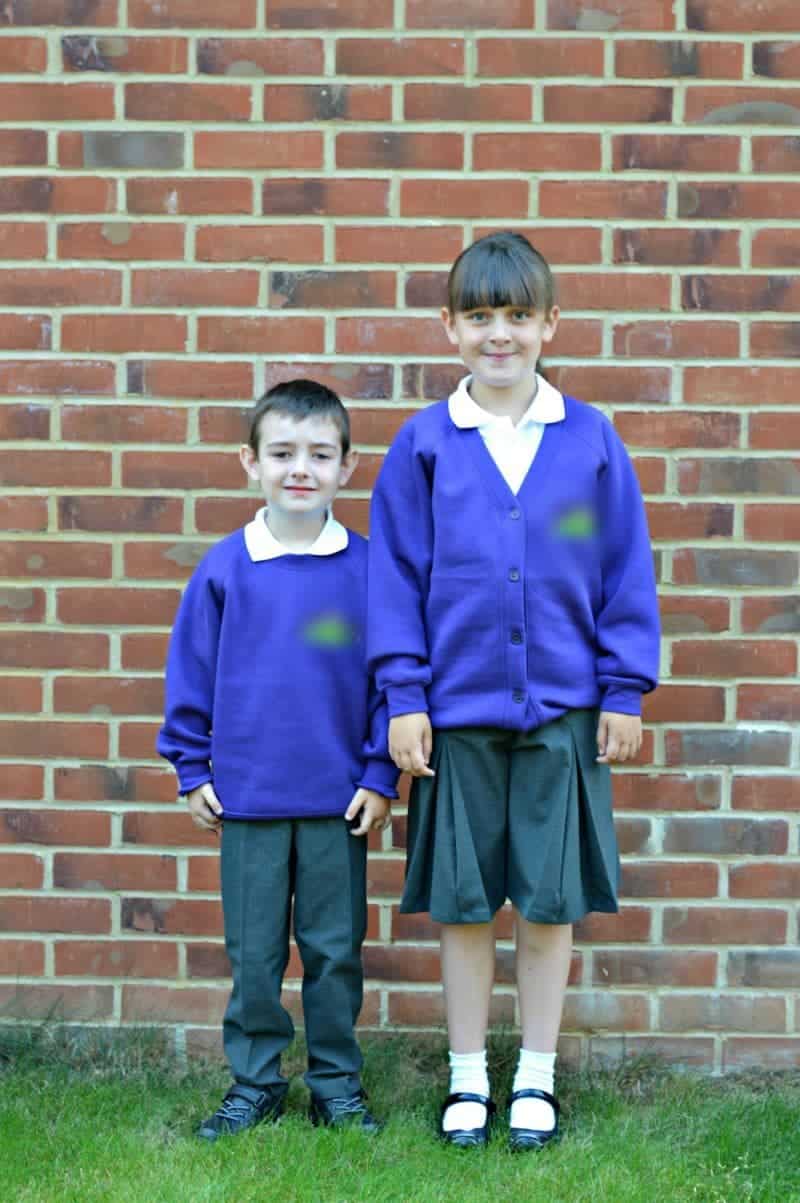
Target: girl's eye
521 315
477 317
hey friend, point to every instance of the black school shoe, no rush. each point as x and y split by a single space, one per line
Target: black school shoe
467 1138
243 1107
350 1112
524 1140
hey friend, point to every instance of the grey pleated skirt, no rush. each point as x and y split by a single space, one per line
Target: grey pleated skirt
520 815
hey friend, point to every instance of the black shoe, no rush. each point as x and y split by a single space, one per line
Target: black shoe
243 1107
343 1113
467 1138
522 1140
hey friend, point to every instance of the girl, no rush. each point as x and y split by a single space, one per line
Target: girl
513 629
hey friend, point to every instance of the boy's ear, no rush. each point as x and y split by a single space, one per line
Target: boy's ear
349 465
448 321
550 324
249 460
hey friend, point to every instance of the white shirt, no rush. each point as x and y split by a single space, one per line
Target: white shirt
513 448
262 544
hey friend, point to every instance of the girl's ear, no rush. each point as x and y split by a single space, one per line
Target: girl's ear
449 323
249 461
349 465
550 324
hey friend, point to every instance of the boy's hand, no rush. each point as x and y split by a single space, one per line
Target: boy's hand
619 737
206 807
411 743
376 811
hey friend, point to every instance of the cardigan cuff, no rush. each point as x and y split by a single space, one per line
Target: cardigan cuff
406 699
621 699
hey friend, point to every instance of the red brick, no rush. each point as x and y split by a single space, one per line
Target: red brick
325 197
726 1013
777 60
238 244
769 702
606 105
174 378
639 59
739 16
773 523
108 695
24 422
19 871
164 1004
327 102
21 695
722 104
776 154
669 879
22 605
187 102
56 1003
22 781
22 240
221 515
120 240
55 287
116 958
774 431
191 14
677 429
22 558
390 336
417 1009
608 15
20 147
211 960
102 513
60 377
352 381
70 827
606 199
144 56
21 958
724 925
166 830
193 917
620 385
771 248
55 914
55 467
123 332
733 475
23 513
262 56
768 879
49 649
762 793
562 244
400 56
257 150
204 874
464 102
656 967
53 739
740 200
65 12
332 289
261 335
719 836
663 247
330 14
463 198
632 925
137 741
778 339
468 14
144 651
764 614
64 194
666 791
685 704
677 340
401 963
382 149
760 1053
56 101
536 152
714 745
651 474
190 197
162 561
114 783
538 58
123 424
108 871
194 288
734 658
117 606
741 293
740 385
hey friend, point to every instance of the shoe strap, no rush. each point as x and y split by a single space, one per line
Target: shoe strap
531 1093
467 1096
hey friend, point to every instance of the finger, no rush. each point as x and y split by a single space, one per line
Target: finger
602 736
211 800
427 743
354 807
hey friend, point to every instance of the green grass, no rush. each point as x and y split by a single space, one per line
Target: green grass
84 1120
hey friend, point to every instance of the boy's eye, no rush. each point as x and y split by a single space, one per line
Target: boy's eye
323 455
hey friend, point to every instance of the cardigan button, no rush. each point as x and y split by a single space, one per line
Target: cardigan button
519 695
515 513
516 636
513 574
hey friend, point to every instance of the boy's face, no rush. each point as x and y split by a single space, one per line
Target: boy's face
500 347
299 465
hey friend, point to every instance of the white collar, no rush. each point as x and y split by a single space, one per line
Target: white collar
262 544
547 406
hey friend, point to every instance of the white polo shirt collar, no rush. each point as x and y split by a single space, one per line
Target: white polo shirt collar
262 544
547 406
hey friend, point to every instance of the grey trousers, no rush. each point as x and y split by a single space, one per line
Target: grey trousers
319 867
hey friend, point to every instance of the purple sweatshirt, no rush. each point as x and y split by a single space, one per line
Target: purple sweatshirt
494 609
267 691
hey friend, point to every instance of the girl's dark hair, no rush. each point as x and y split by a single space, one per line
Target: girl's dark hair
498 270
299 399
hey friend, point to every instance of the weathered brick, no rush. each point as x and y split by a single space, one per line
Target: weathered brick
724 925
779 339
21 147
258 151
24 422
187 102
56 287
115 783
144 651
20 913
106 871
740 294
144 56
775 154
390 336
417 1009
639 59
53 102
603 199
120 240
771 969
537 152
632 925
262 56
53 739
261 335
538 58
727 1013
669 879
128 150
102 513
684 703
191 197
776 702
62 377
163 1004
263 243
729 105
468 14
116 958
771 880
663 247
103 696
20 871
661 429
619 384
606 16
612 290
677 340
21 958
192 14
123 424
739 476
22 782
713 746
37 558
164 561
330 14
25 332
172 916
738 200
22 605
465 102
382 149
331 290
327 102
22 240
656 967
777 60
357 381
774 523
123 332
56 1003
23 513
338 197
766 615
729 566
49 649
739 16
724 837
462 198
760 1053
62 12
169 378
117 607
667 791
584 104
165 831
204 874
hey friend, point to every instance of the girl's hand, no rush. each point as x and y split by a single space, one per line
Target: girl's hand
376 811
206 807
619 737
411 743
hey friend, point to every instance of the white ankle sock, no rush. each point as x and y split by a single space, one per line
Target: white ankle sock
535 1071
467 1072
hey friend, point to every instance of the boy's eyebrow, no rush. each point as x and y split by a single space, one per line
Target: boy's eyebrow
291 443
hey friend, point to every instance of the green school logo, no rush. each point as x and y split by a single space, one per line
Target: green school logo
576 524
330 630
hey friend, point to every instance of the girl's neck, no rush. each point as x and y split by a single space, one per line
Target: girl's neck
511 403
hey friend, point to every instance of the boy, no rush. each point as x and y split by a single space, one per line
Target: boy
267 710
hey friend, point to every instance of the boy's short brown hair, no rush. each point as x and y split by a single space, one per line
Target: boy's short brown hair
299 399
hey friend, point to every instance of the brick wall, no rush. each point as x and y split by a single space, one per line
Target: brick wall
197 199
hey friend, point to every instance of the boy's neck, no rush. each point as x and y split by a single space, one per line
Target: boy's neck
511 403
295 532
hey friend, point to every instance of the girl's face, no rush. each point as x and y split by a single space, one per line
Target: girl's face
500 347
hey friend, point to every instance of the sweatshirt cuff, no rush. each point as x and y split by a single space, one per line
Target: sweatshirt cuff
190 776
622 700
406 699
382 777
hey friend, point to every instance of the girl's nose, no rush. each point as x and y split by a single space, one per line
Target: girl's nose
498 330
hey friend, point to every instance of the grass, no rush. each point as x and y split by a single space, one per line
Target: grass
85 1120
